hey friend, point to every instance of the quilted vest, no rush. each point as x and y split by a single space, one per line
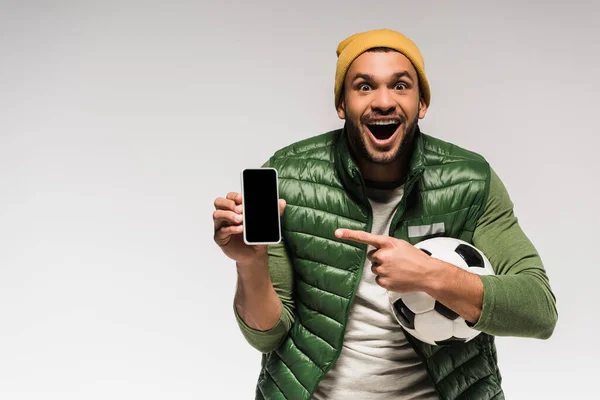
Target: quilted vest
324 190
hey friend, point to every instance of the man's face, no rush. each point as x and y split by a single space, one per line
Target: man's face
381 105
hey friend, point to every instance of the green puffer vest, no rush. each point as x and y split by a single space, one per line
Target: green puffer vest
324 190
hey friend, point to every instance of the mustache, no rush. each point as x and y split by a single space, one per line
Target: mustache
366 118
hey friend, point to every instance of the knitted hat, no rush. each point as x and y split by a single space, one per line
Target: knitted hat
352 47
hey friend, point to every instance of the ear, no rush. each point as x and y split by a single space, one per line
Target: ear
341 108
422 108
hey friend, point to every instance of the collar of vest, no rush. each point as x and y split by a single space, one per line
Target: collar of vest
350 175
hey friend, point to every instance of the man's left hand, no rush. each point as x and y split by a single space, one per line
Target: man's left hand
398 265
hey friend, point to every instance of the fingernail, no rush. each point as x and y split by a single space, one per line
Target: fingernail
238 218
338 233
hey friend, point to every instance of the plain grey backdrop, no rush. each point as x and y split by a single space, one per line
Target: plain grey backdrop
122 121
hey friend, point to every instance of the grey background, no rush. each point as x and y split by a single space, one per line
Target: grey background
121 122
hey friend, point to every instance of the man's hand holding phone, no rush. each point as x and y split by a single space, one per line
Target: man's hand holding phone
245 224
229 229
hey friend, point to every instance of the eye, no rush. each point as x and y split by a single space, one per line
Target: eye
400 86
364 87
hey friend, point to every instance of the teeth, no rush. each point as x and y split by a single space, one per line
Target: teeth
383 122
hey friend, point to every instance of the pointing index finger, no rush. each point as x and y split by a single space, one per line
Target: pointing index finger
361 237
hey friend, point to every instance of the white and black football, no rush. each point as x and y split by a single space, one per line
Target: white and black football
427 319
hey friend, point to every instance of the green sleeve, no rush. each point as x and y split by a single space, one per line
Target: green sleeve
518 300
281 272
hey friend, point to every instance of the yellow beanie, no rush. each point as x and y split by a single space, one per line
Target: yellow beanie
352 47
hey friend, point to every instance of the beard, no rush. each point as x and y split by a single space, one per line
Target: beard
358 141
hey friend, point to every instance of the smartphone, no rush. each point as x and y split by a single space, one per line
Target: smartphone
260 205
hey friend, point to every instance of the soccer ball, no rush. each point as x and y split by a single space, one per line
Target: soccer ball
424 317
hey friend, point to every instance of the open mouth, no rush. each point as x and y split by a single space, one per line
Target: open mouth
383 131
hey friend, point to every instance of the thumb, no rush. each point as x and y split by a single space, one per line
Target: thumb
282 204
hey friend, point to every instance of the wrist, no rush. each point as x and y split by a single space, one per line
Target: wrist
253 267
435 276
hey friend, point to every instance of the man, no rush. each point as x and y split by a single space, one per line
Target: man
354 202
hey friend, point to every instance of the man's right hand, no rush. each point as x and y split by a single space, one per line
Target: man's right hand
229 230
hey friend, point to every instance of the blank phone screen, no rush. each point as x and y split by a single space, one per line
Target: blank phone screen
261 205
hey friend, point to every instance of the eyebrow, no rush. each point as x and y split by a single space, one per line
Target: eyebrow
369 77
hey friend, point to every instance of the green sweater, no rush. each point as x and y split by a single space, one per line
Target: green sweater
514 301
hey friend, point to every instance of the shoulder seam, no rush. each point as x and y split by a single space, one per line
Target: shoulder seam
485 197
475 157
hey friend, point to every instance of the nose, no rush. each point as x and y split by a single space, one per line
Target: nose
383 101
